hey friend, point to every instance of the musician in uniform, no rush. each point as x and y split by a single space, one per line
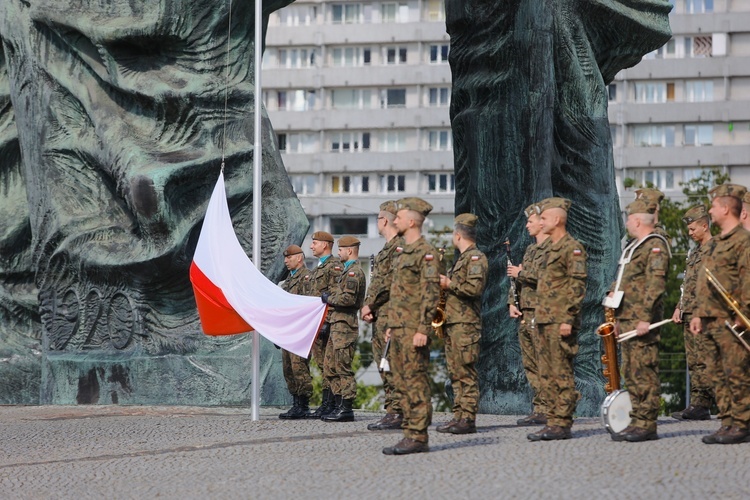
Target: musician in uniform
526 279
653 197
463 287
415 291
296 368
644 278
745 213
701 394
375 311
323 277
727 256
345 299
561 286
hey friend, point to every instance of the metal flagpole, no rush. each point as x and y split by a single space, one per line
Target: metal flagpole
257 157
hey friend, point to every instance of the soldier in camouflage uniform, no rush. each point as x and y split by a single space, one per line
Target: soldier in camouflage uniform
375 311
644 278
745 214
463 288
323 278
296 368
415 291
653 197
561 286
727 256
701 394
526 279
346 298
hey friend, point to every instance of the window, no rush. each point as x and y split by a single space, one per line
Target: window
661 179
699 135
439 140
304 184
441 183
615 135
653 136
346 13
298 15
394 12
394 55
698 46
666 51
435 10
281 140
299 143
351 98
296 58
688 174
699 91
612 92
393 141
392 183
393 98
349 225
654 92
350 184
351 56
699 6
439 54
439 96
346 142
296 100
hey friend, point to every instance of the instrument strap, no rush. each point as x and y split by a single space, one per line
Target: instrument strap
627 255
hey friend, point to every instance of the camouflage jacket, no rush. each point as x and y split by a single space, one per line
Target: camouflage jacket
415 288
533 260
463 300
379 290
728 258
561 283
324 278
297 282
692 265
644 279
348 295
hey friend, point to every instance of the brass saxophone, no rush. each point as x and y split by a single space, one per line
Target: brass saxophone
439 319
607 332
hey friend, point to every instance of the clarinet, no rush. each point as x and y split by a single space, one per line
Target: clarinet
513 286
372 265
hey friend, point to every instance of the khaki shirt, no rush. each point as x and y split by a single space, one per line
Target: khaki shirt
463 300
533 260
348 295
298 282
324 277
693 262
644 280
378 293
561 284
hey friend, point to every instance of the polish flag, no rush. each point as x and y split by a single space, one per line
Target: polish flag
233 296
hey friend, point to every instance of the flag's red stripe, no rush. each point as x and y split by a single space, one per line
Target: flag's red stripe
216 314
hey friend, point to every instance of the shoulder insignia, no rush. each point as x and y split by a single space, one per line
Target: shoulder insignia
351 273
576 252
429 257
337 268
399 249
475 257
656 250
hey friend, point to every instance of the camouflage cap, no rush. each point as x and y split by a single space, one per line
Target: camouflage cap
389 206
292 250
641 206
695 213
746 198
651 195
733 190
554 202
532 209
416 204
322 236
466 220
348 241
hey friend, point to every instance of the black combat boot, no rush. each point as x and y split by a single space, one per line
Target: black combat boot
300 410
333 406
287 414
323 405
342 413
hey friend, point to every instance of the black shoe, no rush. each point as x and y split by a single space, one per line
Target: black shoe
533 419
734 435
639 434
693 413
302 410
406 446
292 410
389 422
444 427
551 433
712 438
324 407
343 411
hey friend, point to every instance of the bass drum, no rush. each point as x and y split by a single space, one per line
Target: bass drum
616 411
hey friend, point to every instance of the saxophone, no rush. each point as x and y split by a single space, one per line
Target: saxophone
607 332
439 319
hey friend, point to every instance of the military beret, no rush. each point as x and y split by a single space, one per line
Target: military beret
641 206
555 202
322 236
695 213
389 206
348 241
466 220
733 190
292 250
532 209
649 194
416 204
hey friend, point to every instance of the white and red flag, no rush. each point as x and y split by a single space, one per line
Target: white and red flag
233 296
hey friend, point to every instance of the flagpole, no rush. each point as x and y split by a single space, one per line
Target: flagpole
257 180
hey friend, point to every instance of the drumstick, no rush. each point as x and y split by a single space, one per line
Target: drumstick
634 333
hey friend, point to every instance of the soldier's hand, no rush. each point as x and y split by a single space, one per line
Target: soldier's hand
565 329
445 282
368 318
642 328
676 315
365 311
696 327
420 340
514 270
324 297
388 335
514 312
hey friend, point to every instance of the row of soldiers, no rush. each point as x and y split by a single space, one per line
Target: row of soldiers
408 283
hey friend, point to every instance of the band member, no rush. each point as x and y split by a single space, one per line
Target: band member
463 287
561 286
415 291
375 311
701 395
345 297
727 256
645 264
323 278
653 197
745 214
296 368
526 277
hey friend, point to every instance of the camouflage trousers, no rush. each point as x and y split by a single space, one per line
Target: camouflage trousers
701 393
410 367
729 364
528 339
296 373
339 355
318 353
392 396
461 354
640 369
556 380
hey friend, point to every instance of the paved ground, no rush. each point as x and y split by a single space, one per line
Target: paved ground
189 452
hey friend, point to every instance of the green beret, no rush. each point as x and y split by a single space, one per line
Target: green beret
322 236
532 209
651 195
292 250
416 204
466 220
389 206
641 206
733 190
348 241
695 213
555 202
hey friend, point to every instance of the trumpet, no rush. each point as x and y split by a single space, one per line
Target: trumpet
634 333
740 327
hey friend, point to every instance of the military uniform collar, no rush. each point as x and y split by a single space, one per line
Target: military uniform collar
731 233
409 248
559 243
